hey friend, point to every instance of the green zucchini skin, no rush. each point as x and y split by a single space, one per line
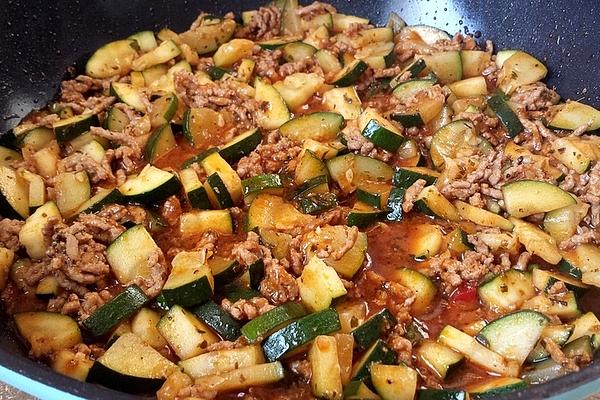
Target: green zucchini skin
199 199
300 332
351 73
254 329
364 219
373 328
199 157
394 204
115 311
507 116
228 274
126 383
219 320
235 293
241 146
65 130
406 177
10 140
316 203
441 394
379 352
222 194
256 272
307 187
408 120
381 136
111 197
190 294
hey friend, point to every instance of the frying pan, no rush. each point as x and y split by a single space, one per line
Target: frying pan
42 38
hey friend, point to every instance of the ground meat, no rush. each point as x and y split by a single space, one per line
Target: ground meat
535 97
228 345
569 363
266 62
75 251
584 235
392 295
121 138
485 125
264 24
92 301
278 285
9 233
401 345
158 274
590 193
122 214
472 268
97 171
338 253
224 94
307 64
246 309
125 158
73 94
411 194
94 104
316 8
170 211
388 72
249 251
270 157
301 368
357 143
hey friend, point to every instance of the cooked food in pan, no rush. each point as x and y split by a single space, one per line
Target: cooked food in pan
301 204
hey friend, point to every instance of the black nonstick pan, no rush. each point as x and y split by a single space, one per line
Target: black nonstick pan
41 38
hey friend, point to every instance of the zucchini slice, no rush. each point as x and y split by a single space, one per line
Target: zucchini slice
68 363
14 194
518 70
131 365
218 320
559 334
561 224
166 51
378 353
276 113
190 281
129 95
350 73
447 65
72 190
100 199
585 325
513 336
31 235
474 62
565 307
143 324
150 186
527 197
69 128
482 217
358 390
373 329
272 212
440 359
233 51
379 130
36 138
543 280
47 332
404 177
423 288
507 116
262 325
241 145
146 40
343 100
407 90
455 140
298 88
194 191
394 382
363 169
300 332
319 284
296 51
163 109
215 164
431 202
217 192
507 291
161 142
114 58
326 379
328 61
576 153
470 87
208 37
199 221
121 307
221 361
572 115
241 378
374 194
186 334
116 120
362 215
320 126
224 270
496 387
413 69
476 352
536 241
394 204
128 254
